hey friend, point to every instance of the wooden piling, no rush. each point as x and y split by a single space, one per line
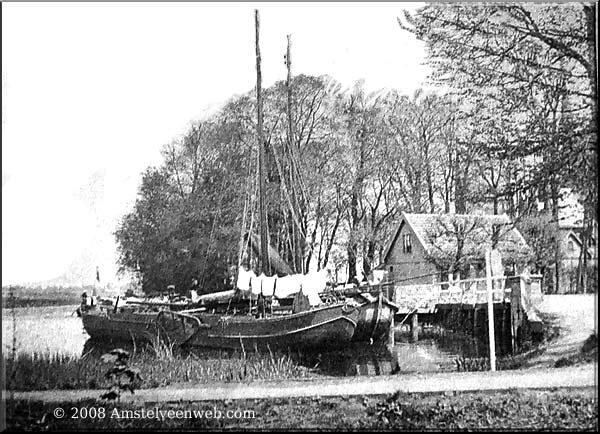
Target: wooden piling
490 310
516 313
414 327
391 335
503 328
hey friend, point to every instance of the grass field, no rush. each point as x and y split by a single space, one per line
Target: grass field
564 409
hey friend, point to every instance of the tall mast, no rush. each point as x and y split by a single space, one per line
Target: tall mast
296 230
290 137
264 251
288 64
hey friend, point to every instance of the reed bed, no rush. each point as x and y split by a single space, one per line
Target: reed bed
159 366
468 364
44 371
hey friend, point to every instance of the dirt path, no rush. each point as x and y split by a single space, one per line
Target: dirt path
581 376
576 316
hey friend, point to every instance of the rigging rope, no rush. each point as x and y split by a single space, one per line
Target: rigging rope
285 190
247 204
245 242
214 223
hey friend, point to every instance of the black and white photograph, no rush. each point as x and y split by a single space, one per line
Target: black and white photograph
299 216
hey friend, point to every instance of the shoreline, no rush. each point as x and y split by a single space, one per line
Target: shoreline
34 303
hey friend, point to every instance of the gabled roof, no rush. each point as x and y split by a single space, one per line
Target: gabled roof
429 227
572 234
576 238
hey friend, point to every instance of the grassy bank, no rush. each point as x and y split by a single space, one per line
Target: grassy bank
588 354
514 410
158 366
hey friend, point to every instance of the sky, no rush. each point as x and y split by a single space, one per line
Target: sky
91 93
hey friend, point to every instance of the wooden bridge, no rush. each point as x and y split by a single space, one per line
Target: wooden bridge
462 306
427 298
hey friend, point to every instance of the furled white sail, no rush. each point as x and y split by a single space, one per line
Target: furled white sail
311 284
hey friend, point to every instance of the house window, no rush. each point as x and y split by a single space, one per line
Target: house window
571 247
391 269
406 245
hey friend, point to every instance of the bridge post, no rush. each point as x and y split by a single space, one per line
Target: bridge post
490 309
414 327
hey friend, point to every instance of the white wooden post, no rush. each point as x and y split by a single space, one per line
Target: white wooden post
391 335
490 303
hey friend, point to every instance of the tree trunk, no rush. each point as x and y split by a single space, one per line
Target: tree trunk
351 252
369 257
428 178
460 200
313 238
446 197
355 216
557 266
430 194
495 202
352 243
582 263
331 240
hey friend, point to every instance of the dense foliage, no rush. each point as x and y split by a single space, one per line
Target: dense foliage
525 79
512 125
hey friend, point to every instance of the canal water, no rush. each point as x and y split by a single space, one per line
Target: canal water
58 330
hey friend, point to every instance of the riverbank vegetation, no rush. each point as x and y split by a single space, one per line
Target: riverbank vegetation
37 296
564 409
587 354
158 367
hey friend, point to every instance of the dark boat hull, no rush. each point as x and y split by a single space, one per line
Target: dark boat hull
328 326
324 327
173 327
102 325
374 320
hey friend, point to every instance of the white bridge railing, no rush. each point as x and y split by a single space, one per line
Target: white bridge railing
425 298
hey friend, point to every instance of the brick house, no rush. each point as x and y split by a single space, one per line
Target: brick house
425 247
570 245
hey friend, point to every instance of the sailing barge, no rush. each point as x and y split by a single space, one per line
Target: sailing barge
312 323
361 318
325 326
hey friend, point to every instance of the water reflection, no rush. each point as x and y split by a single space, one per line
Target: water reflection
357 359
